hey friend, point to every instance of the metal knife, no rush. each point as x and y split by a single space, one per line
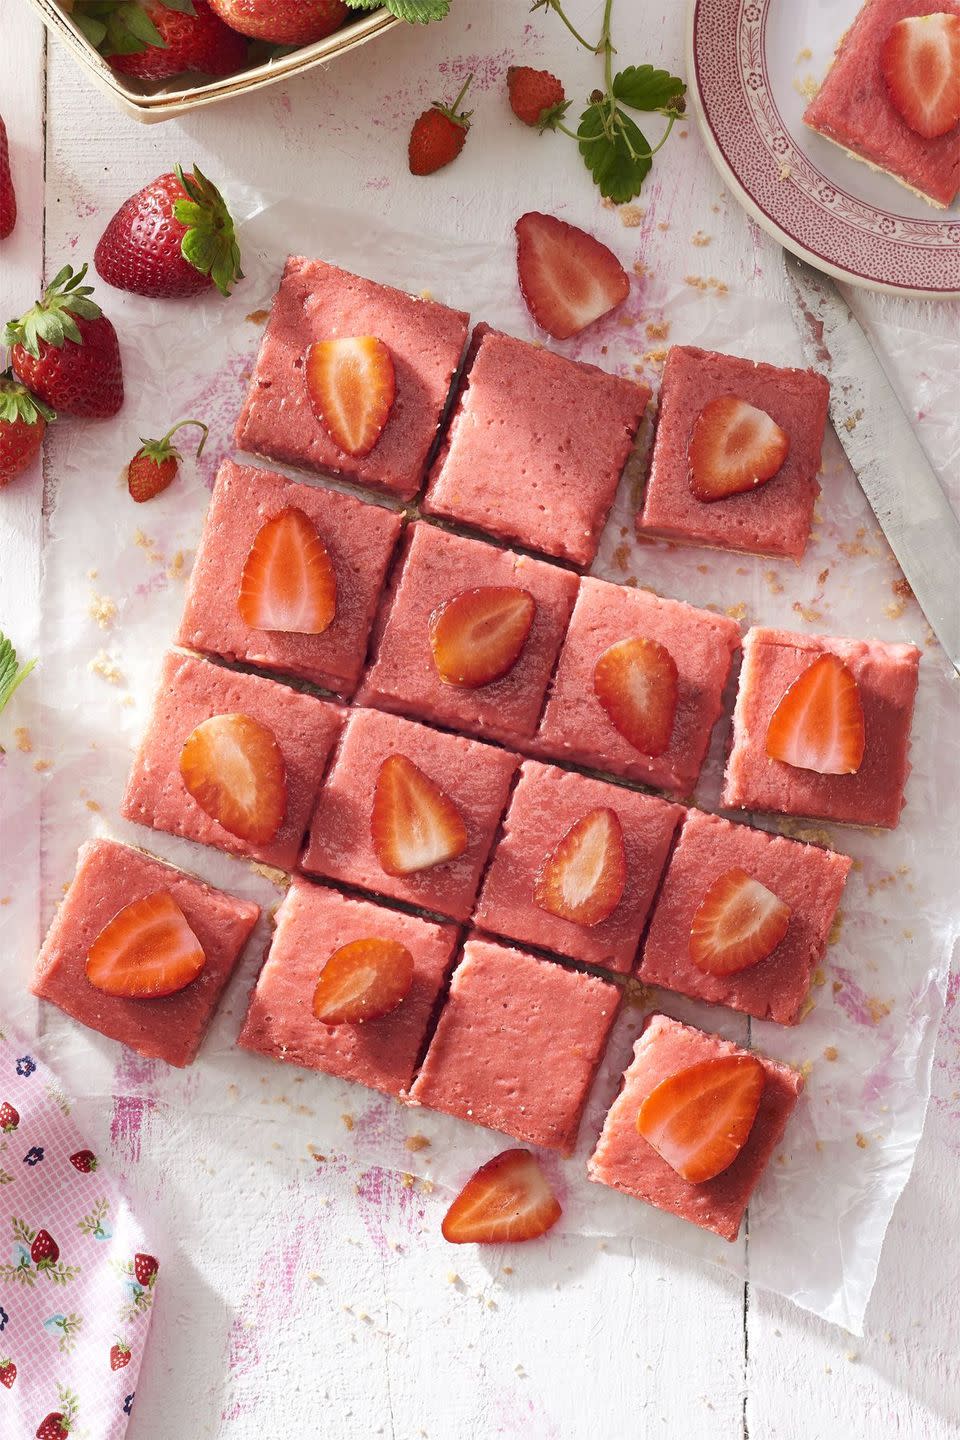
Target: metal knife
887 458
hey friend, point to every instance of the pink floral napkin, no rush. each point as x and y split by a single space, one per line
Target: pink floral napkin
77 1279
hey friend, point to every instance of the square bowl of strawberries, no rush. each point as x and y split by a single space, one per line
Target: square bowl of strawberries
172 56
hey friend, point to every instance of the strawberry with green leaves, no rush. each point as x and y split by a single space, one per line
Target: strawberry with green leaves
23 420
65 350
438 135
155 465
161 38
173 239
536 97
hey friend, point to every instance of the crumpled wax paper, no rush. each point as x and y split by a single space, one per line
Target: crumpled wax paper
115 576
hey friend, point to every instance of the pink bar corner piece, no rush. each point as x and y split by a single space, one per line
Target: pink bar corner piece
77 1277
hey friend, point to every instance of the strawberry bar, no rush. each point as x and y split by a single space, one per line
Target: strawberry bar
486 668
704 398
881 102
743 918
231 760
517 1045
536 447
845 727
317 302
287 577
577 866
638 686
409 812
626 1160
110 877
313 924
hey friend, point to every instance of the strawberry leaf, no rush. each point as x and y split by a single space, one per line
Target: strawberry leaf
415 12
183 7
614 150
644 88
12 674
94 30
210 242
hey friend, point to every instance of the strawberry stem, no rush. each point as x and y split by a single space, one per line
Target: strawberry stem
160 450
557 8
453 111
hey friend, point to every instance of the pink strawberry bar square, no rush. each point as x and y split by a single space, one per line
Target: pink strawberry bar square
575 725
546 804
625 1161
536 447
438 566
853 107
192 691
359 539
475 777
517 1045
775 517
108 878
311 924
317 301
886 677
805 877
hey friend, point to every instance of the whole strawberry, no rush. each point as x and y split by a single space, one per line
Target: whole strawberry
155 464
65 350
8 196
438 135
536 97
9 1118
174 238
119 1355
85 1161
23 419
189 36
283 22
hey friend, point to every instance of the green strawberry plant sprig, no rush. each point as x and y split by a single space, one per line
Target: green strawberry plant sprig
614 148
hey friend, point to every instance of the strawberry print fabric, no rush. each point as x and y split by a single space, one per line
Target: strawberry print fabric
77 1278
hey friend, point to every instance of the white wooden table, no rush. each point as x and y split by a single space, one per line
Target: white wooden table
578 1339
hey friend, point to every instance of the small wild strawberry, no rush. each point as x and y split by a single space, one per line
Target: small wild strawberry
536 97
438 135
155 464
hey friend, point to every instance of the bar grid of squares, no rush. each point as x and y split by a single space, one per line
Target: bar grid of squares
528 763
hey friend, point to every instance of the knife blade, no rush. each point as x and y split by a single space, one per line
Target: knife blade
894 473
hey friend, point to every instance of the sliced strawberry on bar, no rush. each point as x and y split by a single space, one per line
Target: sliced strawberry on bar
734 447
637 684
352 386
509 1198
288 581
567 278
698 1120
233 768
146 950
818 724
920 60
414 825
583 879
477 636
363 980
738 923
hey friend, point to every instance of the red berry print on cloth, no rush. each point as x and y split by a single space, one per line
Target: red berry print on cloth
8 1372
140 1276
35 1253
120 1355
59 1423
9 1118
85 1161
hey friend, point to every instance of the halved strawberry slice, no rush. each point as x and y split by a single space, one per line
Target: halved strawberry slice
698 1120
509 1198
734 447
146 950
234 769
920 60
363 980
818 724
637 684
352 386
414 825
477 636
738 923
567 278
583 878
288 581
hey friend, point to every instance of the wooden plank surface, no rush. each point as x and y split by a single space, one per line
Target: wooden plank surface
577 1339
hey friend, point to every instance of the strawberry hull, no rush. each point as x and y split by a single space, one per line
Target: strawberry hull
359 539
171 1028
625 1161
886 678
806 878
475 777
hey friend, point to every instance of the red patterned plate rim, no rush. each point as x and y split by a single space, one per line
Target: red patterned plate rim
812 215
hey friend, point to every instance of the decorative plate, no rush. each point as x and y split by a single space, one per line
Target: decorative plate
751 67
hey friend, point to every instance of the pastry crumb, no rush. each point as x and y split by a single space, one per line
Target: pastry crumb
807 612
737 612
655 357
805 54
94 806
807 86
657 329
22 739
407 1180
258 317
631 215
831 1052
818 978
177 567
773 582
347 1121
416 1142
42 765
700 238
103 609
106 668
862 1141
